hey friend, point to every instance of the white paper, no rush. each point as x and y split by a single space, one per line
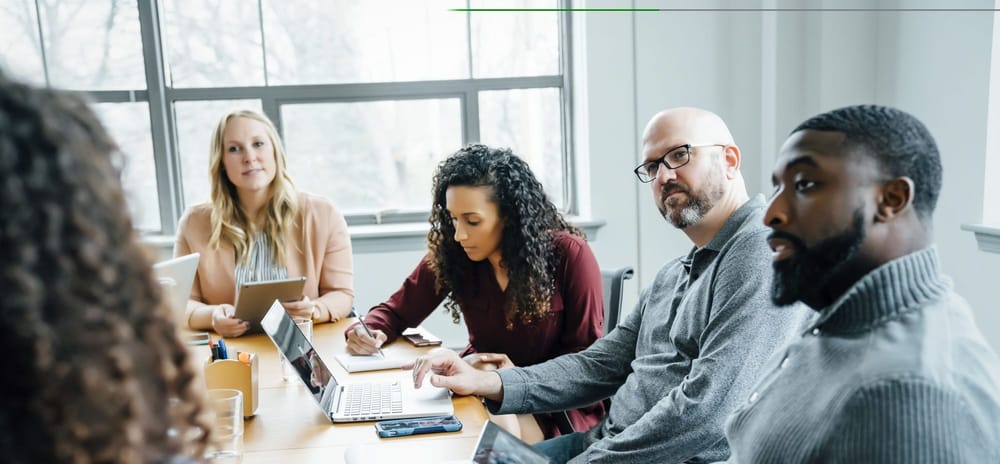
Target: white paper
372 362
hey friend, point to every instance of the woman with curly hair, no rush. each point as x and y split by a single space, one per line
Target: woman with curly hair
95 372
258 227
502 257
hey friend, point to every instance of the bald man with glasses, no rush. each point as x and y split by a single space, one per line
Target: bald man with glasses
690 350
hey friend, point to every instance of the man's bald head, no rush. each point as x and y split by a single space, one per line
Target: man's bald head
677 126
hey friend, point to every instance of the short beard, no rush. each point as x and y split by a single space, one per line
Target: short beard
810 269
691 213
698 204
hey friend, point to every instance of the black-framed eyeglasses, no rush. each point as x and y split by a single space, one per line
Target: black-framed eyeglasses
673 159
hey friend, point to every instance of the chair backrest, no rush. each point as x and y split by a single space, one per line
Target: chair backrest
612 280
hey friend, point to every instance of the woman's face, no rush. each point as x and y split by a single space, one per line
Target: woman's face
477 221
248 155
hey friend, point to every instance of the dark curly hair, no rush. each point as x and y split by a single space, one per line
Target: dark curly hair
526 248
896 140
95 372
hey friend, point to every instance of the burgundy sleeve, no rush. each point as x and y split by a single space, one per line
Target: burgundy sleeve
408 307
583 300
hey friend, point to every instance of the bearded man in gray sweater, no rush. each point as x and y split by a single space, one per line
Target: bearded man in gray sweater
893 368
690 350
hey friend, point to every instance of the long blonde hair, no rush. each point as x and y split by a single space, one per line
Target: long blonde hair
230 223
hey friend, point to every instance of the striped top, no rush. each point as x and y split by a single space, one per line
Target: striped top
260 265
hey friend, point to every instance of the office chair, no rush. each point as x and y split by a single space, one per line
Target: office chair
611 283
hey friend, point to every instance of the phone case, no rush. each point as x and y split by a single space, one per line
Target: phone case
417 339
404 427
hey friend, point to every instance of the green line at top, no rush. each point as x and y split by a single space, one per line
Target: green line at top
739 10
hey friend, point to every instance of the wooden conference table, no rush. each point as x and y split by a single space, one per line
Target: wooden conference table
289 427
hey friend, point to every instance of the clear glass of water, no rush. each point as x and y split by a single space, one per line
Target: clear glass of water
288 373
225 407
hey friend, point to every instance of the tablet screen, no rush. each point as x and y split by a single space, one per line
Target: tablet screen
498 446
255 298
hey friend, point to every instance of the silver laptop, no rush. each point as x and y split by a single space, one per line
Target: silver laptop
177 276
350 402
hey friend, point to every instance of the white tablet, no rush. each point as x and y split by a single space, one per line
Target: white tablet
254 299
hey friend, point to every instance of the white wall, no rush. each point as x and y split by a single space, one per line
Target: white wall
944 81
766 72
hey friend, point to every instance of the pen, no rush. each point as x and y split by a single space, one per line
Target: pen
367 331
223 352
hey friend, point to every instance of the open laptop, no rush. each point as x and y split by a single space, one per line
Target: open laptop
177 276
350 402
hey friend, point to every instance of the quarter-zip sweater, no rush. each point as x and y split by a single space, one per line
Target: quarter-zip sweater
894 371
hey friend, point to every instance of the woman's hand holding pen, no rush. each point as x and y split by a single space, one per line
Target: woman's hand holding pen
359 343
224 323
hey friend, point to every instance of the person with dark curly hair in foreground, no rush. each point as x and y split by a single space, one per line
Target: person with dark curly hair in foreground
506 260
94 370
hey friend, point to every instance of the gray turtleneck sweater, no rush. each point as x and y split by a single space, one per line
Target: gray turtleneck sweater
894 371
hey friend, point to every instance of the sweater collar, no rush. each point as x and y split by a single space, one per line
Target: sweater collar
736 221
698 259
886 292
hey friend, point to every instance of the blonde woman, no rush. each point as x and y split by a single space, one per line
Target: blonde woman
258 227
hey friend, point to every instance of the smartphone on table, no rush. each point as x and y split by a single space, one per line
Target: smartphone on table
404 427
418 338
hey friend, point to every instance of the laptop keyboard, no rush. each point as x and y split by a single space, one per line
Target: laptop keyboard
374 398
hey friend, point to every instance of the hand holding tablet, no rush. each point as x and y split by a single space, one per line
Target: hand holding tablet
255 298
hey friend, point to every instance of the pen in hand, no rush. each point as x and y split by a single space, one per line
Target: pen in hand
367 331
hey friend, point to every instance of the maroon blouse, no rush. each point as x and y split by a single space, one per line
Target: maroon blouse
576 320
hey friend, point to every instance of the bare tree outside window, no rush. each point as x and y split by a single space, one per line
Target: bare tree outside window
92 45
369 96
20 49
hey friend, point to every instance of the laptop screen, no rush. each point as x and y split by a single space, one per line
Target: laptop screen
177 276
300 354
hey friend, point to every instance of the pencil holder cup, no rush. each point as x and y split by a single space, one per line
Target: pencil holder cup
242 376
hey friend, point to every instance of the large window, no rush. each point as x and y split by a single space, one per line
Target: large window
368 96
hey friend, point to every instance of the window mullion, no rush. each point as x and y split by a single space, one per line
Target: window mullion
168 177
41 44
566 63
470 116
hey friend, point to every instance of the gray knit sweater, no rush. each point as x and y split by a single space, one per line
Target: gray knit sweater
894 371
680 362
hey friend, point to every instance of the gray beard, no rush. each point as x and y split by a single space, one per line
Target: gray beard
690 214
698 204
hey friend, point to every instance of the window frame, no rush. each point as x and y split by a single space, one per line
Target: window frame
161 99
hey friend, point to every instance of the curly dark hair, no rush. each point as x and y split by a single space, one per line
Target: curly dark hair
526 248
896 140
95 372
